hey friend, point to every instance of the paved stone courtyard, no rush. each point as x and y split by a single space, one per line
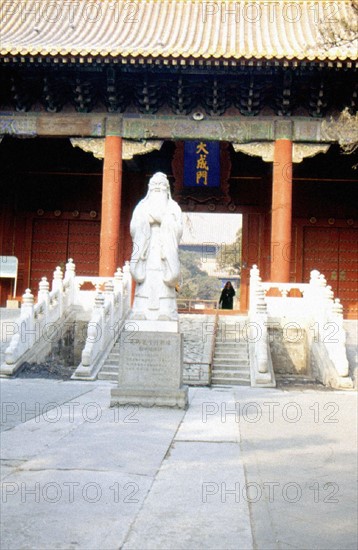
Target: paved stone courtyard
242 468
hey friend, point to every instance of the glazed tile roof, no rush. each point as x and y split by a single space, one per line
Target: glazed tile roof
173 29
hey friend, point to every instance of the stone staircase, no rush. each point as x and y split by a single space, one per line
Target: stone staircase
231 364
231 357
109 370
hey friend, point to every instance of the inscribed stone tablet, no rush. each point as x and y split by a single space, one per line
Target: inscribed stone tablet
150 360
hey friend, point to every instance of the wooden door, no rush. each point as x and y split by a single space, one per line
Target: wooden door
83 246
55 241
347 273
48 249
334 252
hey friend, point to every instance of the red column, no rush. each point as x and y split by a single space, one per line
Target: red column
281 211
111 206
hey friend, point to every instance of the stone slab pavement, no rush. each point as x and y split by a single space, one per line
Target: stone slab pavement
242 468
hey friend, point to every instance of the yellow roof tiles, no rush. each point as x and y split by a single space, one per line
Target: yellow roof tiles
260 29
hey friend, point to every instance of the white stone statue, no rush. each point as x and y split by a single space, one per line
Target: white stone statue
156 229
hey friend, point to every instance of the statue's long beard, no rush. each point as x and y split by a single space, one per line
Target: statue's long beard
157 204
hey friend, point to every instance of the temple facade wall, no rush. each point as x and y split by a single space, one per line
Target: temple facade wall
51 210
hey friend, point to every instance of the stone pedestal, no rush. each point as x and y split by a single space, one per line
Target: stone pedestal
150 367
12 304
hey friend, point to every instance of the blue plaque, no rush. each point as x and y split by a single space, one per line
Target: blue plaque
202 164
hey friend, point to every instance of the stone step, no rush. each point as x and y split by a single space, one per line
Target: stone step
227 373
112 362
232 325
224 364
226 334
235 361
110 368
114 355
240 350
106 375
230 355
245 372
231 359
231 342
237 357
116 347
230 382
231 337
231 330
231 368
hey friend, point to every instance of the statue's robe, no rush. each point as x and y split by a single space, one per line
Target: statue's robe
156 229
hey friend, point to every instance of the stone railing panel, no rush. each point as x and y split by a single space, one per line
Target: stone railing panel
316 312
111 307
42 322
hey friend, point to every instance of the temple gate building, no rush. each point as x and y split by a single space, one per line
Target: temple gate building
97 96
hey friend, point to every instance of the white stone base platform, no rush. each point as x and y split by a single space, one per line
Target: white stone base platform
150 398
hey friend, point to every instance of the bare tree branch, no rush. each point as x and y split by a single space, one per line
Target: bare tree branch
342 28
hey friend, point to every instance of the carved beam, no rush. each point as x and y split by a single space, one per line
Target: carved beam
139 127
129 148
266 150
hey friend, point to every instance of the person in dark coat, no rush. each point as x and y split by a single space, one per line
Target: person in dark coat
227 296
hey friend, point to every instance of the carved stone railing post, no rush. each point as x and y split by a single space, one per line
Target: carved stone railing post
94 330
320 311
26 334
69 280
108 287
28 329
44 296
118 289
57 279
44 288
27 322
329 300
254 279
127 287
109 297
57 286
258 327
70 269
314 277
312 296
336 343
118 278
261 320
313 289
261 305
